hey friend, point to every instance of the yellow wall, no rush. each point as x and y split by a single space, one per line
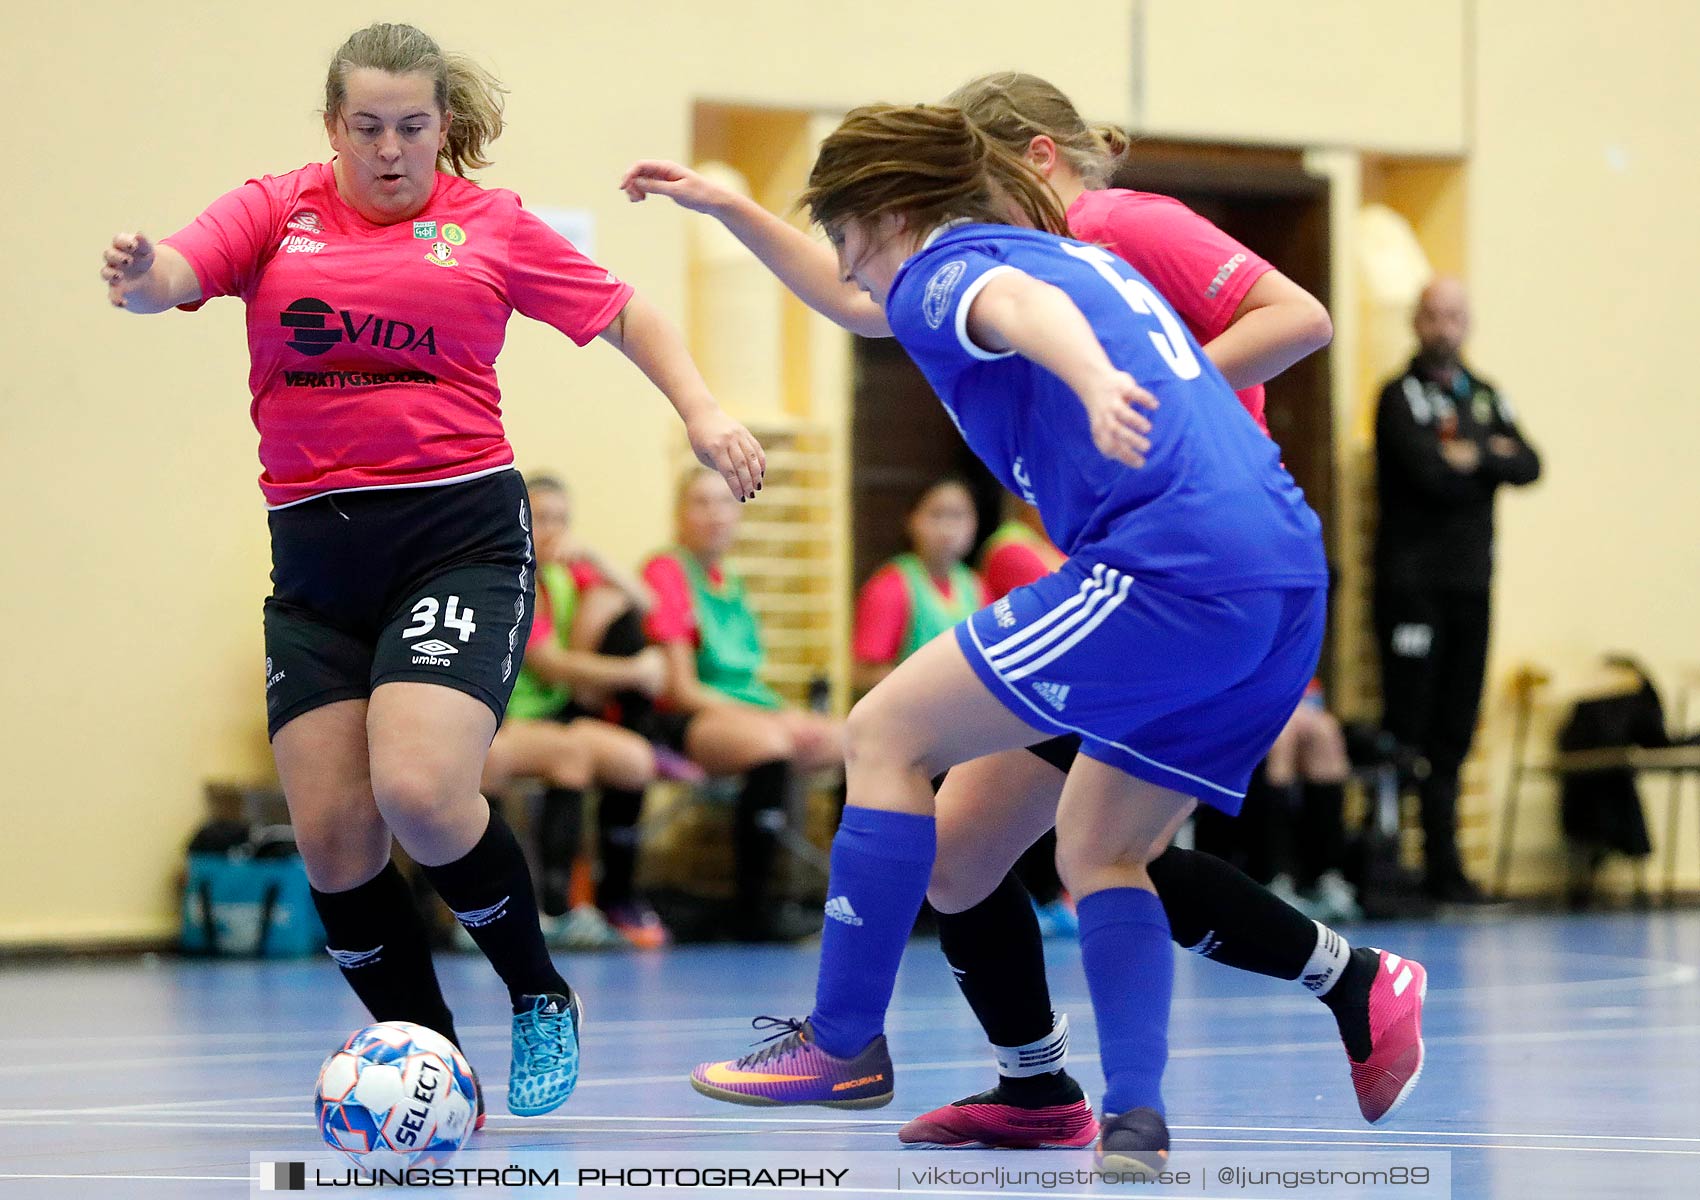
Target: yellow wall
1387 75
134 557
1584 167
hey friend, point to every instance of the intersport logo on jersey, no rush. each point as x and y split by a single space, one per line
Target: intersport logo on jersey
315 327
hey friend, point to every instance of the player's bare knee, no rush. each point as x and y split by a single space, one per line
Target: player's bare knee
956 886
412 795
1085 858
342 853
876 730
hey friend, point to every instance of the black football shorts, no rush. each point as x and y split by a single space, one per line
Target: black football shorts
427 584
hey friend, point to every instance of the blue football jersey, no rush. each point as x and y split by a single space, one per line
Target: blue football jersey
1212 510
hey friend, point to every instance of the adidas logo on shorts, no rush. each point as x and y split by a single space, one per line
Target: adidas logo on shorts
838 908
1054 694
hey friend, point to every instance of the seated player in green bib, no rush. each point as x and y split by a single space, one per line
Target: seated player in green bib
923 592
717 710
548 736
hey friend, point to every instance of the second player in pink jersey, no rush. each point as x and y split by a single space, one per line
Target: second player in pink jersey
1253 323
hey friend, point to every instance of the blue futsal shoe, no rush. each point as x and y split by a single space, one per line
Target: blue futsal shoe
545 1065
1057 919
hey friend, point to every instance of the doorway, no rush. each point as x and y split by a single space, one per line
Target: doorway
901 439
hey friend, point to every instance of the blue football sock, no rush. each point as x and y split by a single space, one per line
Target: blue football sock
881 862
1130 971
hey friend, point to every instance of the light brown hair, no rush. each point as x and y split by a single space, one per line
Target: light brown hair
1015 108
460 86
930 164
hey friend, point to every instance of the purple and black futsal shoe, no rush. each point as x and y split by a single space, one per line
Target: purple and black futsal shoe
795 1070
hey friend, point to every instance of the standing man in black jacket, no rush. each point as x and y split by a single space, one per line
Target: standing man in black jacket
1444 443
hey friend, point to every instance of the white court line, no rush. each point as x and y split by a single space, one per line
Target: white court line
1446 1146
1667 974
587 1123
881 1134
1085 1054
163 1178
103 1064
1485 1133
318 1036
523 1122
777 1191
112 1123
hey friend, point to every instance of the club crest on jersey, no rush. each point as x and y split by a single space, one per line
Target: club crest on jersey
935 301
453 234
441 254
307 221
425 231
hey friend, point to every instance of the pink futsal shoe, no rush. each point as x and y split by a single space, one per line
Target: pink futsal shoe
989 1120
1386 1078
795 1070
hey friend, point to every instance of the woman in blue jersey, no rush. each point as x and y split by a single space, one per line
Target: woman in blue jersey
1175 641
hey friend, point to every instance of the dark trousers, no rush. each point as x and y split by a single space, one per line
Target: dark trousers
1433 655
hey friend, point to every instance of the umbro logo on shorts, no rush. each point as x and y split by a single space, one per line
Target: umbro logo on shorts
435 647
838 908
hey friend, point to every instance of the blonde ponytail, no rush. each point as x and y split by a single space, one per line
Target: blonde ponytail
1015 108
475 98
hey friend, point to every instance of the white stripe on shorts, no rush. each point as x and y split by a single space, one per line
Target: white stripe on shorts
1089 613
1087 588
1081 631
1050 720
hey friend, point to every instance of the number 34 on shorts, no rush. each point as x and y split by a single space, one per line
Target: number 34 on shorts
456 620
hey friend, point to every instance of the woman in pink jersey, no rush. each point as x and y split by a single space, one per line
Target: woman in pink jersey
1253 322
378 288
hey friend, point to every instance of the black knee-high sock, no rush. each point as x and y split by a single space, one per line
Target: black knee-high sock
1215 833
617 839
1321 831
1218 911
375 934
755 837
1264 828
559 830
997 955
489 891
1037 869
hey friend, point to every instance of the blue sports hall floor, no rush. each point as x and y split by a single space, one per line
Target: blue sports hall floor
1563 1061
